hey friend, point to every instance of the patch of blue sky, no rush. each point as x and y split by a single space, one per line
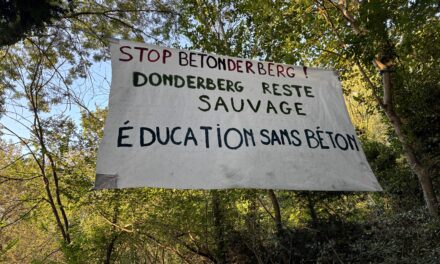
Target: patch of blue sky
86 94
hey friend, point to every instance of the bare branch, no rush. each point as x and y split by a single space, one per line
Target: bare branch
370 83
23 216
342 6
13 162
111 11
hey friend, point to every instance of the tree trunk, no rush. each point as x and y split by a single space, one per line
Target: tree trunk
276 208
311 205
423 175
109 250
220 252
284 244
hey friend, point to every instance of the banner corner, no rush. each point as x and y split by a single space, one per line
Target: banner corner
106 181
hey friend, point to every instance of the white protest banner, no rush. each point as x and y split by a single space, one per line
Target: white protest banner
184 119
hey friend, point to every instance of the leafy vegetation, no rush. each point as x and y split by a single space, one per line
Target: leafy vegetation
49 214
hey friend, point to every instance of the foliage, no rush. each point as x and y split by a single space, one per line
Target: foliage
49 212
408 237
399 195
20 18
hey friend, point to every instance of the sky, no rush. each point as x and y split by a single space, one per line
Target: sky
93 91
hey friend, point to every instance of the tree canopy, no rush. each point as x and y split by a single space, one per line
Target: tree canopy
385 51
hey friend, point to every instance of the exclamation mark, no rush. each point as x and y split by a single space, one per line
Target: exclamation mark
305 71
